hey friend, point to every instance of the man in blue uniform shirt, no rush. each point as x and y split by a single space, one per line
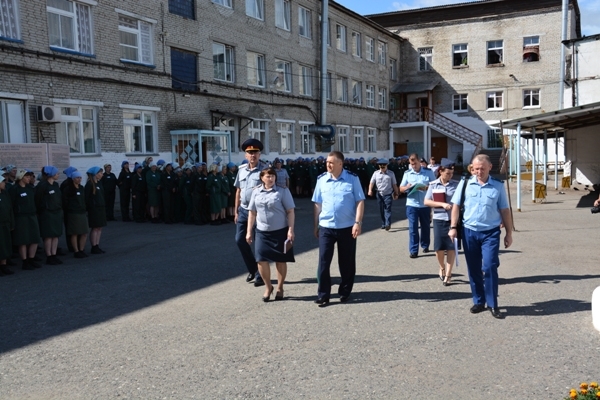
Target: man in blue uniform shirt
338 213
417 212
485 208
247 178
384 181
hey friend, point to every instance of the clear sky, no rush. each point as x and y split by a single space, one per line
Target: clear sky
590 9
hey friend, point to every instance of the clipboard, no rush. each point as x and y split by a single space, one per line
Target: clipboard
456 250
415 188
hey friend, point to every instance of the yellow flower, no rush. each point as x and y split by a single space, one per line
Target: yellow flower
598 395
583 391
594 385
583 385
573 393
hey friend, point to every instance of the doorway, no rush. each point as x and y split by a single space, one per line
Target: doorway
439 148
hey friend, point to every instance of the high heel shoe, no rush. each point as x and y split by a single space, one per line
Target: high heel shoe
279 295
442 275
267 298
447 281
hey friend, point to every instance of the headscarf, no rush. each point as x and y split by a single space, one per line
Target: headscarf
50 170
93 170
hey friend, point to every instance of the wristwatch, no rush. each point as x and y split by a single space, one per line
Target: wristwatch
358 223
452 227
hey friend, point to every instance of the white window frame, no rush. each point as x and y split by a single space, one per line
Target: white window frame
358 138
356 44
494 45
461 49
382 52
229 125
229 62
356 92
285 130
10 16
460 99
283 14
532 93
142 124
370 49
342 89
533 40
283 79
13 127
224 3
79 120
342 142
304 22
259 129
82 27
393 69
255 9
382 98
370 96
144 35
305 76
371 140
495 94
307 140
425 58
256 62
340 38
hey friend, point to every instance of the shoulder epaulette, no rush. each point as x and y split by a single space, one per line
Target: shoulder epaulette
496 179
322 175
351 172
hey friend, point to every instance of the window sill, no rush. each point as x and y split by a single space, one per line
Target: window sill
142 155
460 66
137 63
459 111
73 52
11 39
532 107
256 86
495 109
88 155
494 65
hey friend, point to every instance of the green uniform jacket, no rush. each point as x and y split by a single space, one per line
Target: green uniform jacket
213 187
7 224
48 201
94 204
27 230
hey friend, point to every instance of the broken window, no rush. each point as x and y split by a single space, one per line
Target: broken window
459 55
495 52
425 58
531 48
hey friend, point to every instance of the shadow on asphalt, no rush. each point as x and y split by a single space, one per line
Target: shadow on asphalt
383 296
551 307
551 279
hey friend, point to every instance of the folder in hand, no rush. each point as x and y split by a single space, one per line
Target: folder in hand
287 245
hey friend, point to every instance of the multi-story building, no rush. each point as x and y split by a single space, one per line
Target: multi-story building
465 67
190 80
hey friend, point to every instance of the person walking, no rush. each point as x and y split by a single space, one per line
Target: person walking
338 212
48 202
387 190
272 208
94 198
485 208
74 207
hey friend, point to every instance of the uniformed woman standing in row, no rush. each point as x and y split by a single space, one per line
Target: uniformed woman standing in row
124 183
225 194
272 208
94 199
213 187
168 189
138 192
48 201
75 210
153 186
27 231
7 224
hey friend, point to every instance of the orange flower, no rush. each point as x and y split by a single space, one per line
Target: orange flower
583 391
594 385
583 385
598 395
573 393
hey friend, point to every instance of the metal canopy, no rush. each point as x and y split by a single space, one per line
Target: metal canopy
413 87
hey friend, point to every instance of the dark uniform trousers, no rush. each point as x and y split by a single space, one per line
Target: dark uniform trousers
346 260
483 247
385 208
241 228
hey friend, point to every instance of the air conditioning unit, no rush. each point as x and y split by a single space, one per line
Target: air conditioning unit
48 114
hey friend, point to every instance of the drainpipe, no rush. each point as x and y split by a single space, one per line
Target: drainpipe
565 23
518 151
324 31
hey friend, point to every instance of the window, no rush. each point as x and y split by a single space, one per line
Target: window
9 20
183 8
256 69
304 22
425 58
382 52
342 89
370 49
357 134
382 98
356 92
69 25
283 80
340 31
225 3
328 87
184 70
531 48
140 131
459 55
371 144
393 69
305 81
459 103
286 135
370 92
282 14
531 98
258 130
77 129
495 52
225 124
12 121
223 63
494 100
393 103
342 138
307 139
255 9
356 42
135 40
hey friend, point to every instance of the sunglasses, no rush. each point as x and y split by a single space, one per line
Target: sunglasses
252 151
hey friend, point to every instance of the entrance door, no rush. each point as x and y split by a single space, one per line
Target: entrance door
400 149
439 148
423 105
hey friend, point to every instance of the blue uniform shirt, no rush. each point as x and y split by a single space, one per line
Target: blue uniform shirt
338 198
482 203
424 176
271 207
247 179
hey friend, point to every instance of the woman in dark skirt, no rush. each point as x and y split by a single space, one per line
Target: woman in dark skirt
74 208
7 224
48 201
27 231
94 202
225 193
272 208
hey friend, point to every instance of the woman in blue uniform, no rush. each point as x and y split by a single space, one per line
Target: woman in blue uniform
94 199
74 208
48 201
27 231
272 208
7 224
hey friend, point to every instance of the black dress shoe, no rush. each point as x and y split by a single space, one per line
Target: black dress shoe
413 255
477 308
322 301
258 282
7 271
387 227
344 298
426 250
496 313
250 277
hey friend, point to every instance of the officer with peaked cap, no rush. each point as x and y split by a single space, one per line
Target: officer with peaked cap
383 183
247 179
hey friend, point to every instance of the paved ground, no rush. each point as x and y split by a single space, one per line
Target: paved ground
166 314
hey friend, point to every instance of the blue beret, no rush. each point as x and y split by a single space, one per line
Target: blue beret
94 170
76 174
124 163
69 171
252 145
50 170
160 162
230 165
